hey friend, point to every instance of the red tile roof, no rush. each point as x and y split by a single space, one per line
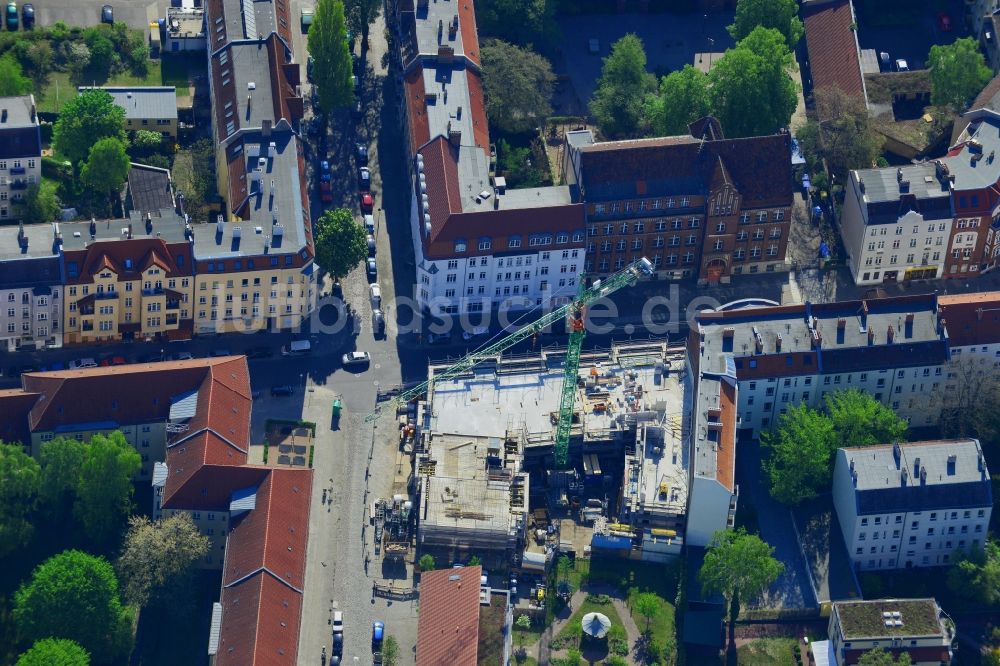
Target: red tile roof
725 458
833 46
264 574
112 254
972 319
15 405
470 35
416 105
448 628
477 107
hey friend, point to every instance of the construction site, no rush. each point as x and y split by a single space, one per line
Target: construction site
488 476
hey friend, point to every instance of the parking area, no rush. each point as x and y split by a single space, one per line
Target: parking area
909 33
671 41
136 13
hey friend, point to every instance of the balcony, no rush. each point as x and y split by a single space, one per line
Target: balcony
17 171
153 292
173 305
19 184
87 326
171 320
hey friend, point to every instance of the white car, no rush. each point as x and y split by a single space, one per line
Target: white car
370 223
183 356
375 293
82 363
338 622
356 358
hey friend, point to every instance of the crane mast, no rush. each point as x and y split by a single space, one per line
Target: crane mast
575 315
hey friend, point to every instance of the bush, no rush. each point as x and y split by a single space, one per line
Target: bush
57 169
601 599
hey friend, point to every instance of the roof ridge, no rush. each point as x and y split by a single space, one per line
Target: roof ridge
261 570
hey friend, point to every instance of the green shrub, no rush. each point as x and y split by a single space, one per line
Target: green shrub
57 169
601 599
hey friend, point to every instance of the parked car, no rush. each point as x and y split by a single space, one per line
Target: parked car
80 363
378 324
28 16
282 390
356 84
107 14
11 15
375 294
362 154
378 630
367 202
364 178
324 170
370 223
372 270
355 359
309 68
338 644
113 360
220 352
338 622
182 356
260 352
884 62
944 22
358 111
325 191
370 240
901 65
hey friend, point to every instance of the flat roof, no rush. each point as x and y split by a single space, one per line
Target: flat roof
864 619
19 112
186 22
143 101
884 184
877 466
974 163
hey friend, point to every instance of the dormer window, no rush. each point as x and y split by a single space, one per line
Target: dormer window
128 264
460 246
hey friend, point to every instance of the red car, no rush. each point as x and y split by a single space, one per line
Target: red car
113 360
367 203
325 192
944 22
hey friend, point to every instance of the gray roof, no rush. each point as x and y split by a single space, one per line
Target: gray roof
144 101
443 12
20 111
884 184
579 138
40 242
976 165
149 189
917 476
251 67
165 224
30 272
248 19
185 22
531 197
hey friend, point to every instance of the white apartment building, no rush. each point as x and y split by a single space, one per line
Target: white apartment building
20 151
915 627
913 504
30 292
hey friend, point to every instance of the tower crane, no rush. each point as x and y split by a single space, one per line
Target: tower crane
575 314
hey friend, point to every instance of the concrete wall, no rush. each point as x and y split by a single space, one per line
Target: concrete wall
708 510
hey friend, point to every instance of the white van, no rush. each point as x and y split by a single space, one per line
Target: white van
297 348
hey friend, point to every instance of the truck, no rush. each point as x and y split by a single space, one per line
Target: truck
296 348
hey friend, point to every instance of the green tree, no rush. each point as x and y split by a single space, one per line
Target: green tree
879 657
518 85
683 98
524 22
958 73
40 203
85 120
107 167
20 477
844 136
647 605
619 102
158 559
739 566
13 82
798 454
976 575
474 561
573 657
360 15
103 55
331 55
104 490
54 652
752 93
74 595
426 562
782 15
340 242
390 651
144 142
860 420
37 59
523 624
61 461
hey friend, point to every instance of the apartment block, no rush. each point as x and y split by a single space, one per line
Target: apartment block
20 152
929 220
31 287
698 206
912 504
915 627
148 108
479 245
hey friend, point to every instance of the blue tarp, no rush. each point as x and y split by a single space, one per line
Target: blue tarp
824 250
610 542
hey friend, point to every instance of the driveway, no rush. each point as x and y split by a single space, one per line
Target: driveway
136 13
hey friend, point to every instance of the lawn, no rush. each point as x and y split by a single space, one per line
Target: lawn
570 635
661 625
767 652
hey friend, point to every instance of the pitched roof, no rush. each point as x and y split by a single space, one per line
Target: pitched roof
833 46
117 255
988 98
149 189
19 132
15 405
972 319
448 627
143 101
264 573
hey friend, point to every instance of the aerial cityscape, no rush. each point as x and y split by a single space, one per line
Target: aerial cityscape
499 332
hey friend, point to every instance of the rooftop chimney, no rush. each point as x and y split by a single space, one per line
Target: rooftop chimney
897 453
265 128
861 185
777 344
871 337
890 334
130 230
899 175
908 326
3 115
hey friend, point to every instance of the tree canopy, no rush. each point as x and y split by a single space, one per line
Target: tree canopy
976 575
340 242
54 652
426 562
85 120
518 85
682 99
752 93
523 22
61 461
879 657
107 166
20 479
331 55
647 604
844 137
619 102
860 420
13 82
360 15
40 203
958 73
74 595
782 15
159 558
104 487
